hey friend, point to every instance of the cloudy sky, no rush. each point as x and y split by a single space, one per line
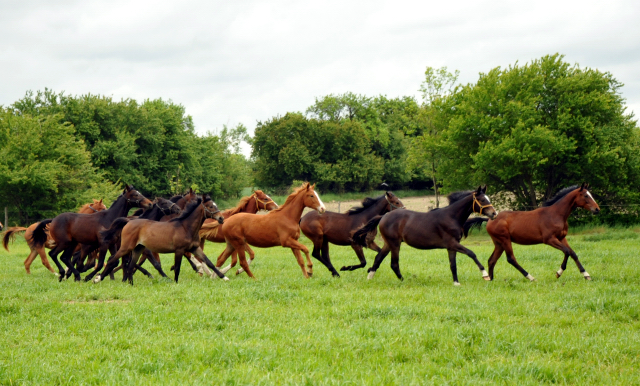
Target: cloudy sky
232 62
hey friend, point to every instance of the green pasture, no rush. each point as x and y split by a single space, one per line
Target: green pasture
283 329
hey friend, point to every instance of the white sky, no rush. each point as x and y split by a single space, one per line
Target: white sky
232 62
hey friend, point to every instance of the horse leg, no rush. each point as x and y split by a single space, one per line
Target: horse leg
70 263
322 255
30 259
224 256
395 263
200 254
453 266
360 253
511 259
111 264
54 256
564 247
177 261
135 255
497 252
457 247
386 248
45 261
148 255
234 258
296 247
296 253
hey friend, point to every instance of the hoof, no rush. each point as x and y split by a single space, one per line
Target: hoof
97 279
455 283
238 272
225 279
371 275
310 274
56 274
586 275
531 278
559 273
336 274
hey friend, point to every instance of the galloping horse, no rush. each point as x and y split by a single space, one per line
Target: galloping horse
276 228
438 228
70 229
177 236
546 225
337 228
10 234
212 231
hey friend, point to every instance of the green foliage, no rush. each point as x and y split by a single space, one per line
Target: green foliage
531 130
44 168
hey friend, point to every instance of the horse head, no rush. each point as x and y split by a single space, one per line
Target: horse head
167 207
393 202
263 201
98 205
482 204
585 200
312 199
135 198
211 209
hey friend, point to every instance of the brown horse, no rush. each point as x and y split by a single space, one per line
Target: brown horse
276 228
212 231
337 228
437 229
94 207
70 229
546 225
177 236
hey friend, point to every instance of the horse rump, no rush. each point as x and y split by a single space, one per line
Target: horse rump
40 234
470 224
361 236
114 231
10 235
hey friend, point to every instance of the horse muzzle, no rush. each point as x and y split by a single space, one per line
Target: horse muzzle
595 210
220 220
321 209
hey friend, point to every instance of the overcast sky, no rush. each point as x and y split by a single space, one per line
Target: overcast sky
232 62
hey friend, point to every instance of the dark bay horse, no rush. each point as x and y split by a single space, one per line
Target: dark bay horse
276 228
337 228
437 229
212 231
546 225
70 229
96 206
177 236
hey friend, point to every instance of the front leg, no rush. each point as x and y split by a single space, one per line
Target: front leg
455 246
296 247
564 247
200 254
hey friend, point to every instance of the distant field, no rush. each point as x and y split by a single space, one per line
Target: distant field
283 329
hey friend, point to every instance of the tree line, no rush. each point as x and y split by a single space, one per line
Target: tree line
525 130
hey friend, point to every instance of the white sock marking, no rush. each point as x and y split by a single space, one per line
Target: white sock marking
97 279
371 274
531 277
456 283
585 274
484 273
560 272
225 269
225 278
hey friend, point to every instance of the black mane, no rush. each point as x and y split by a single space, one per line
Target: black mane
457 196
559 195
188 210
176 198
366 203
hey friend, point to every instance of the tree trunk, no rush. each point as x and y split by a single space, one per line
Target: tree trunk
435 184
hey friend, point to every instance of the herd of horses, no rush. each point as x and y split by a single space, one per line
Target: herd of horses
181 225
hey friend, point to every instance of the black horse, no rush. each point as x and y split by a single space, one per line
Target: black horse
439 228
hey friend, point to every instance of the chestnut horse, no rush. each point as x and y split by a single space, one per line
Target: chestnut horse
276 228
337 228
10 234
70 229
212 231
438 228
546 225
176 236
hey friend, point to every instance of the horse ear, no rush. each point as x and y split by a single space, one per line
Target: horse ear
582 187
479 189
484 189
314 186
101 200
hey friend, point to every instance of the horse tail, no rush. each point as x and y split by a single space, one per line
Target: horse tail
473 223
361 235
39 236
114 231
10 235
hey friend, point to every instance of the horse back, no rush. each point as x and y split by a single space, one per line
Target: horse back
259 230
527 227
79 227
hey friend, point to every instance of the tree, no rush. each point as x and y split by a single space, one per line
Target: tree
44 169
531 130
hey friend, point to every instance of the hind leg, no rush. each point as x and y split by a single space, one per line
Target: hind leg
67 260
199 253
27 263
243 261
54 256
229 250
44 260
497 252
324 257
386 248
395 262
511 259
252 256
454 245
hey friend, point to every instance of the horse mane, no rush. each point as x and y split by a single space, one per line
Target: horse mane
241 204
85 206
190 208
560 195
138 212
366 203
457 196
292 196
176 198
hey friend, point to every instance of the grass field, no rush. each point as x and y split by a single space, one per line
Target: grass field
283 329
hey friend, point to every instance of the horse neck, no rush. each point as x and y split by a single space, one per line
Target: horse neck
377 209
87 210
461 210
565 205
154 214
119 208
194 221
293 210
250 206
